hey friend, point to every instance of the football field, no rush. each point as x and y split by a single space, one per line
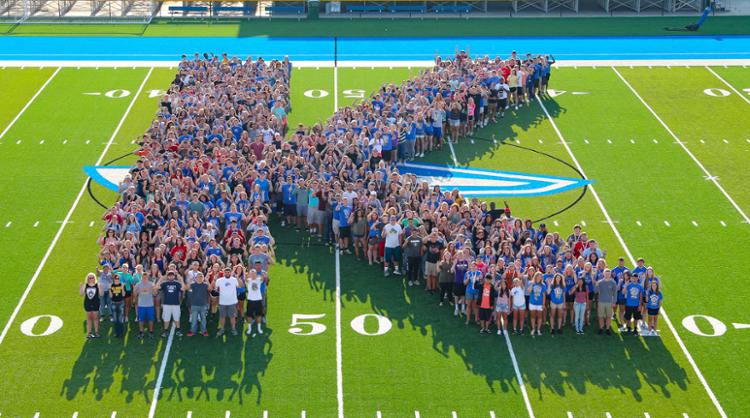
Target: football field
667 151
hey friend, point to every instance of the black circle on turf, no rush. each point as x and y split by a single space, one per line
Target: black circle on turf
536 151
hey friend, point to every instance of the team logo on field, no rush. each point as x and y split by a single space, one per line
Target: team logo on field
109 176
473 182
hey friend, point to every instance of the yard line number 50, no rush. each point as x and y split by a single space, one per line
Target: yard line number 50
304 324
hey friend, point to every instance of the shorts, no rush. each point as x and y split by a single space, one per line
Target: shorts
454 122
570 298
533 307
485 314
502 308
128 293
301 210
227 311
146 313
345 231
393 254
512 89
241 295
653 311
459 289
91 306
556 305
372 241
503 103
632 312
471 294
437 132
335 226
519 307
290 210
170 312
311 213
430 269
387 154
254 308
604 310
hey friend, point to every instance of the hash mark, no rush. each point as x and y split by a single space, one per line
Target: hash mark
725 141
638 223
609 141
555 222
378 414
88 141
65 141
655 141
632 141
36 224
41 142
9 224
585 141
695 223
189 414
454 414
18 142
724 224
583 223
667 223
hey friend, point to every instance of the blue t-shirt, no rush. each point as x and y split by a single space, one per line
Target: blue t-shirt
171 292
557 294
288 193
633 294
536 296
653 299
230 216
344 212
472 277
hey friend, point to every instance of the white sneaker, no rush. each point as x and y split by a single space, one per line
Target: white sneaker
411 283
249 330
260 330
455 312
499 332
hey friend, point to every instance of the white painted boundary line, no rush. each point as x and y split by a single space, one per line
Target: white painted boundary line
160 378
38 92
518 375
453 152
335 88
632 261
339 371
69 215
742 96
682 144
373 63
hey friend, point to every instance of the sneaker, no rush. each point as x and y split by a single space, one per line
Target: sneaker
416 283
205 333
164 334
609 332
141 335
220 332
455 312
397 272
635 333
441 303
347 251
249 330
190 334
151 335
234 332
90 336
499 332
260 331
386 273
411 283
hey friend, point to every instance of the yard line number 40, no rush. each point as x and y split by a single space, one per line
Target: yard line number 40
305 324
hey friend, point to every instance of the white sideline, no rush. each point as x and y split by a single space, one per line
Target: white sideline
742 96
103 63
682 144
335 88
160 378
339 371
632 261
69 215
38 92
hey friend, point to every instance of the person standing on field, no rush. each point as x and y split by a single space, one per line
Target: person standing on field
92 293
171 287
392 233
606 288
198 305
144 292
227 287
254 313
117 296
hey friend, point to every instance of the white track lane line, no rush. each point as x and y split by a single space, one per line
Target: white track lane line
632 261
518 375
742 96
38 92
339 371
162 368
677 140
69 215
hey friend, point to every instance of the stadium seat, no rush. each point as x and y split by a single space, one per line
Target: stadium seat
285 10
451 9
201 10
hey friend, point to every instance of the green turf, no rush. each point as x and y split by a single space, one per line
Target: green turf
18 86
568 26
429 361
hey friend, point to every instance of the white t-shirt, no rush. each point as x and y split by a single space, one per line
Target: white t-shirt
519 297
392 235
227 287
253 289
349 196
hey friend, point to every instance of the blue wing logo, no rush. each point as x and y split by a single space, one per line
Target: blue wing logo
474 182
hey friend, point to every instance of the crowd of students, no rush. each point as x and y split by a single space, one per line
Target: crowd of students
190 233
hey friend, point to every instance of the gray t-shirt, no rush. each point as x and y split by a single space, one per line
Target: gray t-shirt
105 281
607 290
145 293
413 246
199 295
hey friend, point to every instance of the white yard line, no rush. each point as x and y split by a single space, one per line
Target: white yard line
518 375
684 147
742 96
160 378
453 153
339 372
632 261
68 216
335 88
38 92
